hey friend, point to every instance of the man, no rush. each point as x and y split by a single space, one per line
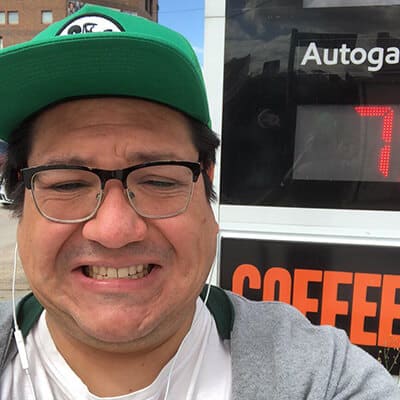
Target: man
110 165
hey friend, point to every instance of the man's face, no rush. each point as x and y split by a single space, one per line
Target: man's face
112 133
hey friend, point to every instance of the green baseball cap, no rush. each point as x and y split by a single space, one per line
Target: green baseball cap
100 52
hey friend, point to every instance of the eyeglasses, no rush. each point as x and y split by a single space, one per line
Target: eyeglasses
72 194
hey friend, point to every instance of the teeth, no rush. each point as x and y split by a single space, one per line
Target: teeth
123 272
111 273
103 273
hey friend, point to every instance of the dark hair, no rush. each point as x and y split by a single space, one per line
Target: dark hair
20 145
19 148
206 142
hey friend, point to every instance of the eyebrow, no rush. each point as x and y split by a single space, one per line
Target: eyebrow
66 160
133 159
141 157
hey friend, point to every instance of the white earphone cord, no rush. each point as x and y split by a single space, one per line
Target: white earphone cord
19 340
191 386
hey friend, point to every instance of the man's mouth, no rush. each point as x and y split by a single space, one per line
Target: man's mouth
104 272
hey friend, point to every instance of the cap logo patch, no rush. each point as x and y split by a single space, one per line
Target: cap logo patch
90 24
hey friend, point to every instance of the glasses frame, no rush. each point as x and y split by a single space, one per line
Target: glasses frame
28 175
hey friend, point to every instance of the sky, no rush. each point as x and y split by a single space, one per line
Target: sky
186 17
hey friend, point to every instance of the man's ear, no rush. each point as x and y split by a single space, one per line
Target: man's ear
210 171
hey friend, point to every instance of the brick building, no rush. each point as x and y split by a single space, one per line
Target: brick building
20 20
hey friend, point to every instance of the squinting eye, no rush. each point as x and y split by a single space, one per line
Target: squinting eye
160 184
69 186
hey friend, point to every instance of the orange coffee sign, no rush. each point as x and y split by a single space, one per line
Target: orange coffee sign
280 284
353 287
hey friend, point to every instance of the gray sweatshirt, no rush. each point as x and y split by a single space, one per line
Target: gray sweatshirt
277 354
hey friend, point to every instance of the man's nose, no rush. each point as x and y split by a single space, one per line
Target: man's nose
116 223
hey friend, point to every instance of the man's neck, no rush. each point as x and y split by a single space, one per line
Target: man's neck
116 370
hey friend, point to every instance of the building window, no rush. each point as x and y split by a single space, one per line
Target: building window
149 6
47 17
2 17
1 42
73 6
13 17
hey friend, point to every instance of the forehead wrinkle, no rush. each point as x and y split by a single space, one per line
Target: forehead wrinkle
142 157
67 160
128 153
131 159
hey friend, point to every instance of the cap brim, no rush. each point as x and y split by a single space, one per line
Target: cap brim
36 75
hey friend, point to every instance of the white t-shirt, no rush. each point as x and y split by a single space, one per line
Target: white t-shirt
201 369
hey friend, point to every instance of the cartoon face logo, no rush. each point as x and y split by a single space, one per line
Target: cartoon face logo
90 24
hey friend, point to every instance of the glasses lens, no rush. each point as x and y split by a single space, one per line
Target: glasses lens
66 194
160 190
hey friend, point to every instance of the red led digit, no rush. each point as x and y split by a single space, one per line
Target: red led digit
387 129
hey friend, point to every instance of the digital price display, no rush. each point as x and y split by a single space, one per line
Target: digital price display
347 143
311 115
